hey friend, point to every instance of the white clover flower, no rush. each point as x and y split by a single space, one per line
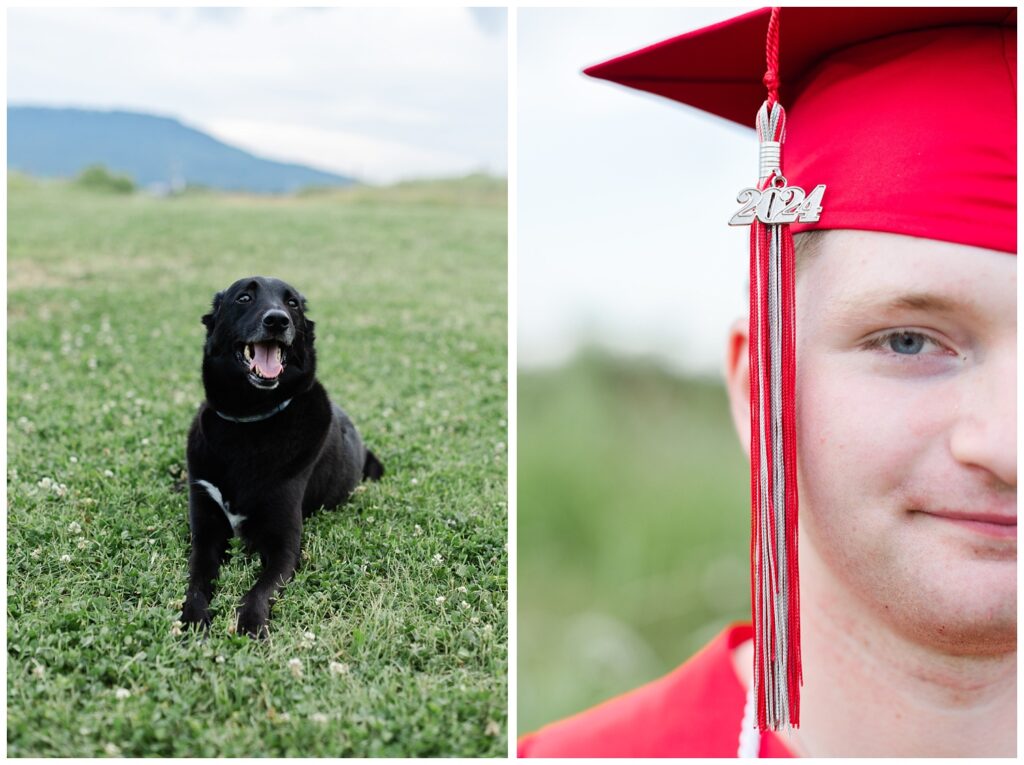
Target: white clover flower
337 668
318 717
463 605
82 544
122 693
108 473
45 482
295 666
474 620
74 528
440 599
309 636
39 671
462 588
492 729
145 442
414 481
219 659
176 629
65 558
112 749
36 553
499 447
417 529
74 459
438 559
284 717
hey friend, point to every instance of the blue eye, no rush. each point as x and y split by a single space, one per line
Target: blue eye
910 347
906 343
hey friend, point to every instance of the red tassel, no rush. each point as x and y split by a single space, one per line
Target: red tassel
775 597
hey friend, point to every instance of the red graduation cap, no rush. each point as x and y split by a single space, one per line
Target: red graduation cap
907 118
908 115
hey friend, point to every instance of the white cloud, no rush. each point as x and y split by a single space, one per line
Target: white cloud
340 151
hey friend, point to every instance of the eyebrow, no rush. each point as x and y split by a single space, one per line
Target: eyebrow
910 301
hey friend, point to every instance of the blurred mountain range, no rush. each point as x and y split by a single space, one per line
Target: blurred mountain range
159 153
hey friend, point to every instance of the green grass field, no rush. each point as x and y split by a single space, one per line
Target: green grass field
633 530
392 638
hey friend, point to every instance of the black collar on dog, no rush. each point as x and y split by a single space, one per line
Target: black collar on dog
256 417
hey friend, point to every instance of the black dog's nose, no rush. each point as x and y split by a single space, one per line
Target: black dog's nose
276 319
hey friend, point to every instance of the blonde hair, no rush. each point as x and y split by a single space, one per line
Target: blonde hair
806 245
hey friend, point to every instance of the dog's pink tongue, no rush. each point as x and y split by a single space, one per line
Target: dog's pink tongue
266 359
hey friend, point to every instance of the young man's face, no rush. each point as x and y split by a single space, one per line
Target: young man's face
906 417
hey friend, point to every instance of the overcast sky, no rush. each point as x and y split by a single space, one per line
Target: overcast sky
381 94
623 198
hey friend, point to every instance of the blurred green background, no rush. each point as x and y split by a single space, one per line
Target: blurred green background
633 529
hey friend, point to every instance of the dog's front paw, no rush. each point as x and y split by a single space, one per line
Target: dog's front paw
196 613
252 620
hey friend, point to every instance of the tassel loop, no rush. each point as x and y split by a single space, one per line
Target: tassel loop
770 159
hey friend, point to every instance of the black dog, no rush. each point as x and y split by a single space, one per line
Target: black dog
267 447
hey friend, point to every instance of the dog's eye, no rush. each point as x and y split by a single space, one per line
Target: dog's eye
293 302
243 298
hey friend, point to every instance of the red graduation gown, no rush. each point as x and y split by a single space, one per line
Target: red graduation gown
695 711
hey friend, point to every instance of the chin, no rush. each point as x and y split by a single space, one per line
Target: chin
960 605
930 588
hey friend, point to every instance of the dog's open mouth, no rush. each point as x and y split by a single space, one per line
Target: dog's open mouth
265 362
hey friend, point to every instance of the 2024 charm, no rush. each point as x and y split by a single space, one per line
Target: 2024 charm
778 203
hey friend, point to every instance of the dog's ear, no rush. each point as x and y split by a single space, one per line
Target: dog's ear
211 318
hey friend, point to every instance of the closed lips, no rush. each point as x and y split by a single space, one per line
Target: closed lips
996 525
996 518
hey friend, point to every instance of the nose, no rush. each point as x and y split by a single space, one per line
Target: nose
276 319
985 434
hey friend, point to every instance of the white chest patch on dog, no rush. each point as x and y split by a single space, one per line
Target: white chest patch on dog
233 518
